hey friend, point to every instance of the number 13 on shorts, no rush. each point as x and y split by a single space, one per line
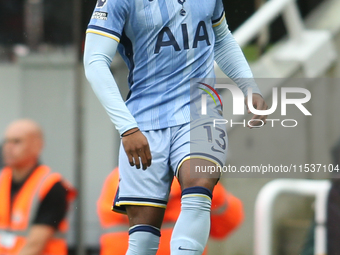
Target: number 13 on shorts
209 141
220 144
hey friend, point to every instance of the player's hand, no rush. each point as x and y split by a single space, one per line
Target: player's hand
137 148
259 104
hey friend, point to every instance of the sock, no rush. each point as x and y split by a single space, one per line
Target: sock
143 240
191 232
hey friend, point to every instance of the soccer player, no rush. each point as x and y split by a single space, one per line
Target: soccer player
165 44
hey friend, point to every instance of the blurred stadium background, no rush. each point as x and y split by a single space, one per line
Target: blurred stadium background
42 78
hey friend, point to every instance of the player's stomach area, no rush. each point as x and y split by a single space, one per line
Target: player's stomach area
168 104
160 95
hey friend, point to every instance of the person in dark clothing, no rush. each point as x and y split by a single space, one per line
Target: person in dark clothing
34 200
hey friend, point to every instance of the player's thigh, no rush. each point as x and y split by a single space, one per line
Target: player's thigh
198 149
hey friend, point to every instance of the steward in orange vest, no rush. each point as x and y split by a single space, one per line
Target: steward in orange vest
18 215
226 216
33 200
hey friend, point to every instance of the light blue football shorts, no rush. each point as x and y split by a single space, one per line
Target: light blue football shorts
170 147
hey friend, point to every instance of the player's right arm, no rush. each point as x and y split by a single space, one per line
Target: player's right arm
101 44
232 62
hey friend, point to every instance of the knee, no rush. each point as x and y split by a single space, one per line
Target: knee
208 183
188 178
147 215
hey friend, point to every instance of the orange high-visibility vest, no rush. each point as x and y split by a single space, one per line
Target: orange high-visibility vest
115 238
16 217
226 215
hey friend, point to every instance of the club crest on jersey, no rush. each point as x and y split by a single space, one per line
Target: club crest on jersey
166 38
182 11
101 3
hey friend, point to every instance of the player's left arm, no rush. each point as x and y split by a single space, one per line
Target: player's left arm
233 63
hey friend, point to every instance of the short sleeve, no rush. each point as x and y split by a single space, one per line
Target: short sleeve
108 18
219 14
52 209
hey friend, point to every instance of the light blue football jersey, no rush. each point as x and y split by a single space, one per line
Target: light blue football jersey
164 43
